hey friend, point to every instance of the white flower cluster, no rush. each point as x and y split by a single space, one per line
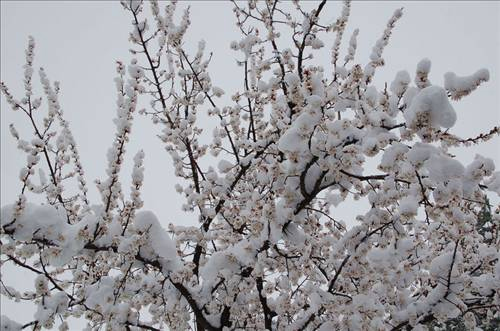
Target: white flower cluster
128 92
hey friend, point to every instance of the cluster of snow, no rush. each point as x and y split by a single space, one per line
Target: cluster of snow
459 87
430 107
442 168
400 83
421 77
408 206
353 44
246 44
159 245
7 324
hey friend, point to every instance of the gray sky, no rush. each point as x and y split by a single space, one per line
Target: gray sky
78 42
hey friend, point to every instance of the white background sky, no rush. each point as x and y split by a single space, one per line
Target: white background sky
78 42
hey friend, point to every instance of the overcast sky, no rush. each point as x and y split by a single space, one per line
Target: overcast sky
78 42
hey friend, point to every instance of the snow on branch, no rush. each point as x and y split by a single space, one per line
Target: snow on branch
458 87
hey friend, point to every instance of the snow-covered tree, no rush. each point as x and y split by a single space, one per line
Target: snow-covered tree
482 320
269 252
